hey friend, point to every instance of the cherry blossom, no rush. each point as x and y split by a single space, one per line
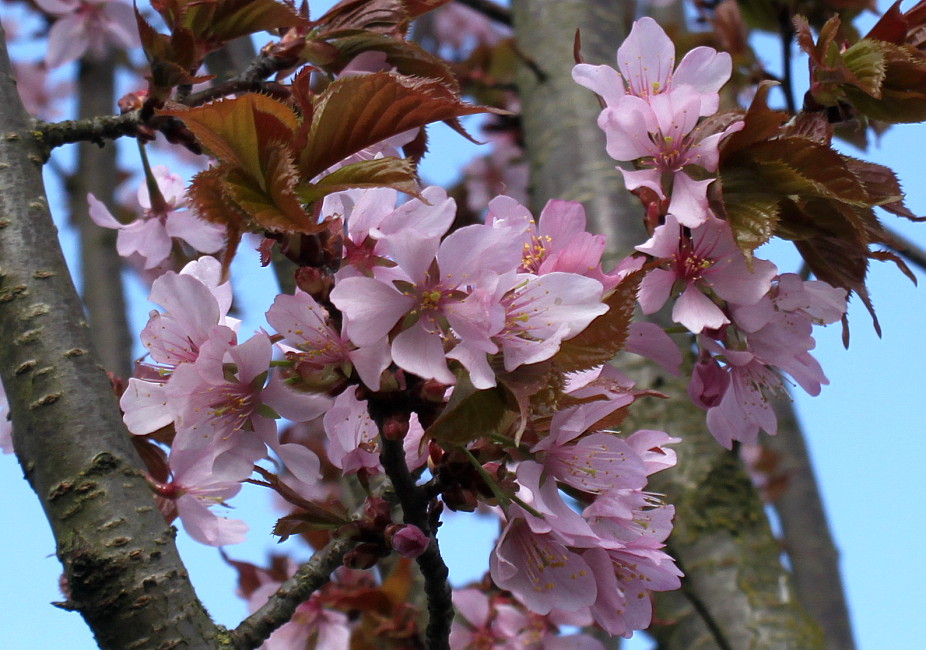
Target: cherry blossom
707 261
87 26
151 235
194 489
663 136
646 60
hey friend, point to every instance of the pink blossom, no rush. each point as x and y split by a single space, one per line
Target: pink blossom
151 235
540 570
663 136
558 241
498 623
352 435
221 401
707 261
6 425
426 292
409 541
744 407
37 96
371 214
540 313
651 341
646 60
304 325
84 26
194 489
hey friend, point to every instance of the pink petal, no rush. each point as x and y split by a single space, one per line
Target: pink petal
696 311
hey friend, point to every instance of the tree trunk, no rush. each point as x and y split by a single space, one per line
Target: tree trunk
122 570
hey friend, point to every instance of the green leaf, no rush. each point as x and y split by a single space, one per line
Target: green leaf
865 61
471 414
605 336
752 215
396 173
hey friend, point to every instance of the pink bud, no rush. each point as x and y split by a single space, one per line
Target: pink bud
708 383
409 541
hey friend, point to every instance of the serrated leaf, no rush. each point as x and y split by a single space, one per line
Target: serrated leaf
384 16
359 111
804 167
753 217
759 123
232 130
605 336
210 200
406 57
865 61
472 414
225 20
396 173
171 57
902 98
273 204
882 185
840 264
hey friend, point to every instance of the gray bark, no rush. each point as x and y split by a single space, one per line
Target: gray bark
100 264
121 566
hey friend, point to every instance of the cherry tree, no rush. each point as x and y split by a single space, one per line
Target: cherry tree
582 339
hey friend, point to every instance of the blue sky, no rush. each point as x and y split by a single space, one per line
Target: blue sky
865 433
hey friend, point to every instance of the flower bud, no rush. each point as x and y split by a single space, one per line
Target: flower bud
407 540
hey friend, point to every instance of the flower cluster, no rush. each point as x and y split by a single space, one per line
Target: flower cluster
380 350
751 322
603 562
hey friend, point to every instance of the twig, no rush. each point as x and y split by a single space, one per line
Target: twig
490 10
787 39
257 627
912 252
414 502
97 129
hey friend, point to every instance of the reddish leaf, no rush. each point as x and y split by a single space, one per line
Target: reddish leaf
760 123
605 336
356 112
406 57
272 204
233 129
210 200
882 185
227 20
383 16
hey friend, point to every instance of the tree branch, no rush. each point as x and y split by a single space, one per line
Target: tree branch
806 535
100 264
122 569
414 501
279 608
97 130
490 10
